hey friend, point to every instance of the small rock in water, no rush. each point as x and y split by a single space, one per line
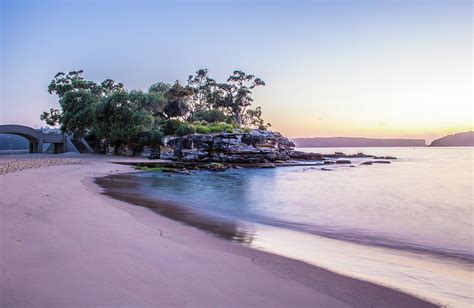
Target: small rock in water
343 161
326 169
360 155
367 163
175 170
184 171
381 162
385 157
215 167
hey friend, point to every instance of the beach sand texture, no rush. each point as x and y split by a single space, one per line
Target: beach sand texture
64 244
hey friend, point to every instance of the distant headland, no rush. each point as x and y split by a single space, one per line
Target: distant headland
456 140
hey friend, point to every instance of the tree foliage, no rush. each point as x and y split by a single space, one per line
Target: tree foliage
159 87
253 118
202 86
178 98
210 116
118 118
235 96
114 115
52 118
72 82
77 114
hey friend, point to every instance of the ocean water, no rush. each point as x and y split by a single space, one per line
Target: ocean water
407 225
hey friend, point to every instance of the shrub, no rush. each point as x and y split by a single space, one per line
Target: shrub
226 127
152 138
202 129
171 126
221 127
156 137
185 129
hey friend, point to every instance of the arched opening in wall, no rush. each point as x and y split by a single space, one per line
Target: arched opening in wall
14 144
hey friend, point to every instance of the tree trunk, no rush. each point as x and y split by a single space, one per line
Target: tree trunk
238 119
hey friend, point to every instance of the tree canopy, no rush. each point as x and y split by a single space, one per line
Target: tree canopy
117 116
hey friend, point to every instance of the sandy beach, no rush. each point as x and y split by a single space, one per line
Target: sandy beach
64 244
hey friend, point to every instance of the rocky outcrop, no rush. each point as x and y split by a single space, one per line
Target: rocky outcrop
256 146
299 155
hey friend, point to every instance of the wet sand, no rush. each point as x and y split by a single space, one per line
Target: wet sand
64 243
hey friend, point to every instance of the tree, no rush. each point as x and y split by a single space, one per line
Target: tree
235 96
109 86
178 98
155 99
76 98
152 102
159 87
77 112
253 118
73 81
202 86
118 118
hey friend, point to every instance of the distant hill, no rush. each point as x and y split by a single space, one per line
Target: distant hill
356 142
13 142
456 140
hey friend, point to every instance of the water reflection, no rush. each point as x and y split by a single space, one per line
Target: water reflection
125 188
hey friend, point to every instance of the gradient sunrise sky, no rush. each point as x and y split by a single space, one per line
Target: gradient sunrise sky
333 68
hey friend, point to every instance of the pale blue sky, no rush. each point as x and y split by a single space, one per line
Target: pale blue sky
353 68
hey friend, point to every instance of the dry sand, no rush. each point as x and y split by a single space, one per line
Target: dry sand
64 244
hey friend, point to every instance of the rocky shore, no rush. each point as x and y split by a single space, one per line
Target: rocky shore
253 147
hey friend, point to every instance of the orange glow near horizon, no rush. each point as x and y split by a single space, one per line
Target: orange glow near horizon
427 133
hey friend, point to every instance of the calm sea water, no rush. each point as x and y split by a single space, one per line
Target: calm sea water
407 225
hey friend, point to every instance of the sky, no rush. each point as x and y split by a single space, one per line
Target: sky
393 69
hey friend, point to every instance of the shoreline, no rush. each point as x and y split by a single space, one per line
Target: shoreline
124 187
68 244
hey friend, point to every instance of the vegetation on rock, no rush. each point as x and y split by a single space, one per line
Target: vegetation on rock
108 114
